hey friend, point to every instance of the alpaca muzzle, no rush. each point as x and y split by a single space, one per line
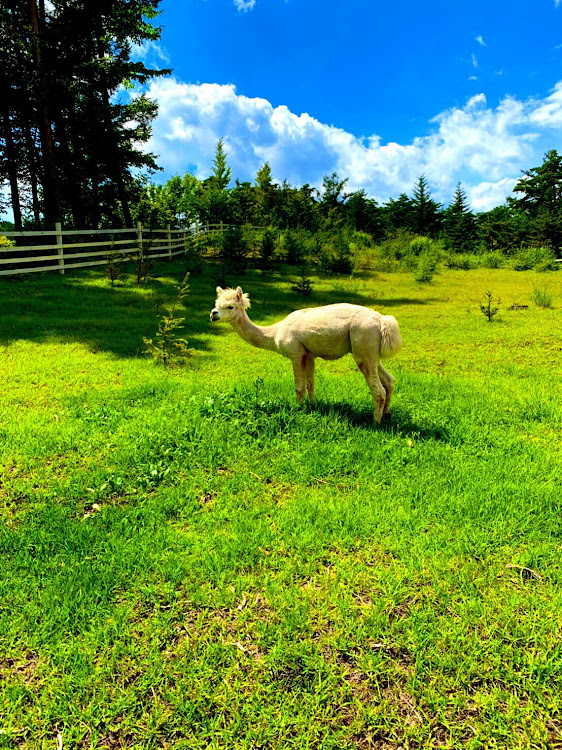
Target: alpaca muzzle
214 315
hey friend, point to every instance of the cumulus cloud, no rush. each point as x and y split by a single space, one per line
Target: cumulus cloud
483 147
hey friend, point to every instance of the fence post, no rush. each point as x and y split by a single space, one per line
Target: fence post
169 242
60 249
139 236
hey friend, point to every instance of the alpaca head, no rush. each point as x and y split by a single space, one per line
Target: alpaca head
230 304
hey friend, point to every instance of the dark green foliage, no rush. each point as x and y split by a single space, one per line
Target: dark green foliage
233 252
69 142
460 224
541 191
342 262
267 250
293 248
490 306
427 256
424 211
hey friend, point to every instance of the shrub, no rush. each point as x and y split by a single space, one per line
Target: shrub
397 245
420 245
5 242
493 259
541 258
426 264
304 285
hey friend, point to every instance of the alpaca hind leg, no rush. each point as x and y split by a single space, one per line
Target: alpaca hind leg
388 384
378 392
310 378
299 371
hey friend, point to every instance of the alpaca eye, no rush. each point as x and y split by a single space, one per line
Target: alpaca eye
231 307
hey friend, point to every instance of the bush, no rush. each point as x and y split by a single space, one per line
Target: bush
342 262
426 264
541 258
5 242
397 245
420 245
493 259
462 261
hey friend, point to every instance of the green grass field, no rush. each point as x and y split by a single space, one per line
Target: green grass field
190 560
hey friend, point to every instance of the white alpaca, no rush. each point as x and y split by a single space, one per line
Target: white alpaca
328 332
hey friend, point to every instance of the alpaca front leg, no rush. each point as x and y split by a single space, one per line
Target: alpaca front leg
310 378
299 371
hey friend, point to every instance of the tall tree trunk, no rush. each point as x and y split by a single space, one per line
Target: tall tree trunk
50 192
73 192
11 161
32 166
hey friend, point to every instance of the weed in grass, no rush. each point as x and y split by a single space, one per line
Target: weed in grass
542 297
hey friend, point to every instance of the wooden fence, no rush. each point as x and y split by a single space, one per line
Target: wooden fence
56 254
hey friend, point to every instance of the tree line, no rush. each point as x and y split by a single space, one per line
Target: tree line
532 216
72 140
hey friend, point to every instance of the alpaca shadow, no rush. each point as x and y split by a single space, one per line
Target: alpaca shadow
399 423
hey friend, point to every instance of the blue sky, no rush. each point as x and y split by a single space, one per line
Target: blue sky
379 92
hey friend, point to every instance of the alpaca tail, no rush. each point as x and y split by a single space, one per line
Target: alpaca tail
391 340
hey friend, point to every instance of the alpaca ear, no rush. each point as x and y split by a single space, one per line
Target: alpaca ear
220 291
239 292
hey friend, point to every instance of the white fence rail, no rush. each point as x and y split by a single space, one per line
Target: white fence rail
60 256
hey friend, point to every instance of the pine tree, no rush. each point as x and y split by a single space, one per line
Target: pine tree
220 175
460 224
304 284
424 211
541 191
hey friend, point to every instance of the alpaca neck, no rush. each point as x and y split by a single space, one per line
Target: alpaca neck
261 336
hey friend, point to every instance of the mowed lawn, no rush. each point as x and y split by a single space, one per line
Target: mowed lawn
190 560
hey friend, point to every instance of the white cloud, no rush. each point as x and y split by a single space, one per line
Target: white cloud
244 5
486 195
151 53
481 41
474 60
484 147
